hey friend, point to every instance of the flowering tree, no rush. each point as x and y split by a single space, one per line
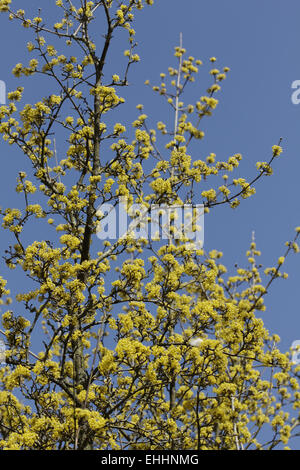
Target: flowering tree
142 344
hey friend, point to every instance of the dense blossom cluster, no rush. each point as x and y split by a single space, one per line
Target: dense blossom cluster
143 346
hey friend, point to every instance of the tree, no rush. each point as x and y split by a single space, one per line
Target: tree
143 344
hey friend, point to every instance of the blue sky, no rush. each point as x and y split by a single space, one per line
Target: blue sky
260 42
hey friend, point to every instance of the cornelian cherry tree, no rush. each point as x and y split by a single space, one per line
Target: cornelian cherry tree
127 344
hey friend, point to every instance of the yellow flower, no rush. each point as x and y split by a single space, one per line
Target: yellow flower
4 5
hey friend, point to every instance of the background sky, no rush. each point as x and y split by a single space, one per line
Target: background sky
260 42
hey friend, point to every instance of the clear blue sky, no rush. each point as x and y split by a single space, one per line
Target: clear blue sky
260 42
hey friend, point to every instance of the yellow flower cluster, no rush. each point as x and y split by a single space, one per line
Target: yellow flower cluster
107 97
